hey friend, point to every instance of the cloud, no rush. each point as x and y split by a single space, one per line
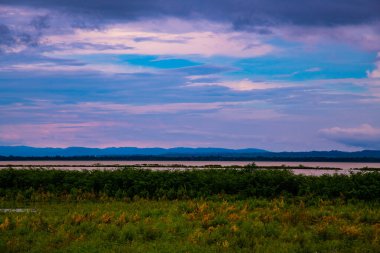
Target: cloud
100 124
95 47
363 35
243 14
295 73
97 108
315 69
189 72
169 32
240 85
15 41
250 112
363 136
46 68
20 29
151 27
6 36
41 22
375 73
56 134
151 38
155 108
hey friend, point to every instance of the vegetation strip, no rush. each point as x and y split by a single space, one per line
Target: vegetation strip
31 184
172 166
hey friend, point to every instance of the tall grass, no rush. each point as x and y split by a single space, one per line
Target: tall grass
250 225
42 184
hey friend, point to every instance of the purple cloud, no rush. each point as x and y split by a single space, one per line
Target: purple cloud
363 136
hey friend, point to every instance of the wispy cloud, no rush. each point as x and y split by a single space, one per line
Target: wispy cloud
375 73
44 68
366 36
363 136
147 38
241 85
52 134
153 108
314 69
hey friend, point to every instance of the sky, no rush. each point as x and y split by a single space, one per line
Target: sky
278 75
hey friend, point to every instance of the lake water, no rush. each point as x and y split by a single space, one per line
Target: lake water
344 167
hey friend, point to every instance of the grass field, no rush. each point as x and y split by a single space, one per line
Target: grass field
251 225
213 210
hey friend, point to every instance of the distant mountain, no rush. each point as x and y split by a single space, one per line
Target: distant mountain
25 151
181 153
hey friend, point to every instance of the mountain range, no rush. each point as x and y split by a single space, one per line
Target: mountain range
122 151
181 153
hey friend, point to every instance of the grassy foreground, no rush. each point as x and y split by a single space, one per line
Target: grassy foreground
251 225
211 210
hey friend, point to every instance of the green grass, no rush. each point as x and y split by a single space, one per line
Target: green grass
210 210
250 225
28 184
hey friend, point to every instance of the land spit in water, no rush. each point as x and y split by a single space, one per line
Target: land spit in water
305 168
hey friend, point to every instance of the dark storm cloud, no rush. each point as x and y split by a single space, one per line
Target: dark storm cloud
243 14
